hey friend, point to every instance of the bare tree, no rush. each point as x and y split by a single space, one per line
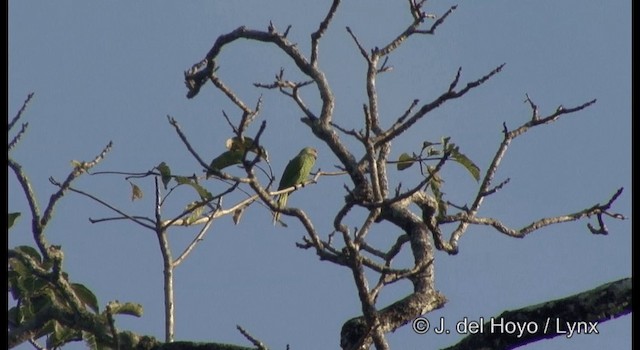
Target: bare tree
367 169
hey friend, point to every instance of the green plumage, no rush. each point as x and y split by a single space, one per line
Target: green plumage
295 173
224 160
236 148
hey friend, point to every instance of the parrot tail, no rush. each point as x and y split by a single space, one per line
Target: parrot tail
282 202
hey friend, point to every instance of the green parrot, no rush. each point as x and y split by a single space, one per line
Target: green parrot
224 160
295 173
235 153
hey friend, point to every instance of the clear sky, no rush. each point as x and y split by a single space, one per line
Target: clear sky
106 71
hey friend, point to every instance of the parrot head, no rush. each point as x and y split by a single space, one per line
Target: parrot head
309 151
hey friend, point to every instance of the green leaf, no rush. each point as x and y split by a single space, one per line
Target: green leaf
13 284
237 214
48 328
90 340
204 194
20 268
435 184
44 299
50 296
427 144
30 251
86 296
30 287
435 189
55 338
183 180
466 162
12 218
61 335
136 192
165 172
117 308
405 161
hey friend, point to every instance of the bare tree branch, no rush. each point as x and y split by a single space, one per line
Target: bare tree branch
538 224
484 190
20 111
39 222
581 312
199 238
124 215
252 339
315 37
18 137
398 129
167 271
30 195
370 184
321 126
419 17
230 94
363 52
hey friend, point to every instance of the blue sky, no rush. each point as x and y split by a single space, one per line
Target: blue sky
114 71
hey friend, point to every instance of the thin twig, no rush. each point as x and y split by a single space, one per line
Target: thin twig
18 137
199 237
252 339
20 111
124 215
230 94
398 129
322 28
484 190
30 195
77 171
363 52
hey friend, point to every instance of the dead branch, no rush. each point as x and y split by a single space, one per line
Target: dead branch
484 189
583 311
